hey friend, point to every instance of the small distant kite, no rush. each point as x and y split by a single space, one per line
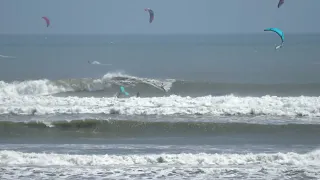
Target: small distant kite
280 34
280 3
47 20
151 14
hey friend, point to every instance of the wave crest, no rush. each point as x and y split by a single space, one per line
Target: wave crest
48 87
201 159
172 105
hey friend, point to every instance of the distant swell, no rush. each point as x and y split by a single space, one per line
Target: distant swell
133 128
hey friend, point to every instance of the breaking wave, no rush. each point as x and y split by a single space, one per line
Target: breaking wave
109 82
201 159
180 98
108 85
158 166
172 105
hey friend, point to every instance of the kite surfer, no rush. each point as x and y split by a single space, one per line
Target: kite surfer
280 34
151 14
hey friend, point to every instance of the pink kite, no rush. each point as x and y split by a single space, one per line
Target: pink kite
47 20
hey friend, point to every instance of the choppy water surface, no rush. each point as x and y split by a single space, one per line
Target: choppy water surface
210 107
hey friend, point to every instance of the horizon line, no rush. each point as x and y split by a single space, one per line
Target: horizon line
151 34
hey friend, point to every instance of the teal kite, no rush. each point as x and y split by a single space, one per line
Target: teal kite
122 90
280 34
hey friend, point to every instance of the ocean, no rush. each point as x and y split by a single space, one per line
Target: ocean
210 107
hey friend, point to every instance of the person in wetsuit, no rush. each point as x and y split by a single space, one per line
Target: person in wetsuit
162 87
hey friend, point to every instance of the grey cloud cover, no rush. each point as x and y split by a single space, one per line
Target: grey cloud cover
171 16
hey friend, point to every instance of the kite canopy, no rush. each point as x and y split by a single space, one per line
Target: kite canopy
151 14
47 20
278 31
124 91
280 3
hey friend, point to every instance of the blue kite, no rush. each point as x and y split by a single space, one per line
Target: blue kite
123 91
280 34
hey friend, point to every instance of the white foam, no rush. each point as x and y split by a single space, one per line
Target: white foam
4 56
173 105
156 172
33 87
289 159
17 165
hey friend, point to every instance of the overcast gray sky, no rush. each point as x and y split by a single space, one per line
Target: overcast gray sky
171 16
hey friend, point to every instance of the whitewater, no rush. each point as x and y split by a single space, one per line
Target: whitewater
38 108
38 97
195 166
